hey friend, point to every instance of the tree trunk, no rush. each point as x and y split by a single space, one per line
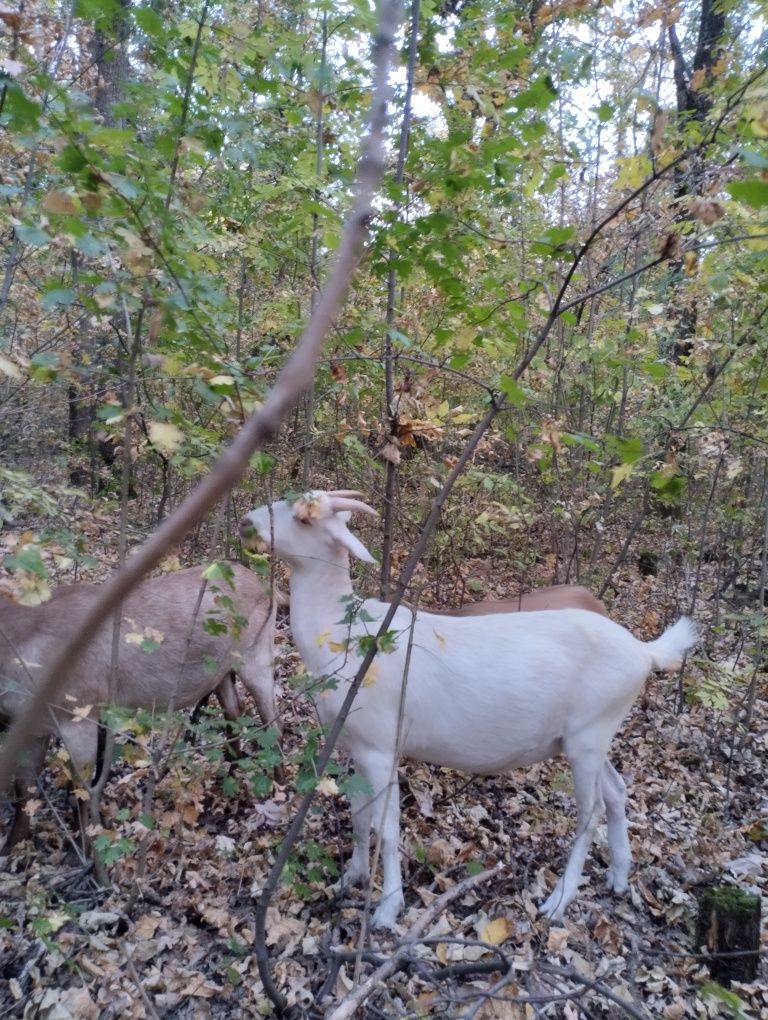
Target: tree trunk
694 102
729 923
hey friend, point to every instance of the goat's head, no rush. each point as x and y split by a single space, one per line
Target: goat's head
307 527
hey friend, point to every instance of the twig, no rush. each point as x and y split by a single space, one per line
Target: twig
137 981
597 986
349 1006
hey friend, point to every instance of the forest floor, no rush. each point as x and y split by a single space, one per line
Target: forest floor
180 941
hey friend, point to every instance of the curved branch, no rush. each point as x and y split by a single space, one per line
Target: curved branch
259 428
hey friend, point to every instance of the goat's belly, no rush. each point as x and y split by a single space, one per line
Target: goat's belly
480 759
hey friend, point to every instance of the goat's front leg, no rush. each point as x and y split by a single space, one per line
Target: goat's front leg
357 872
587 767
27 771
386 822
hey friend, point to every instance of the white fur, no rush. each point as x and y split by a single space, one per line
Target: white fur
483 694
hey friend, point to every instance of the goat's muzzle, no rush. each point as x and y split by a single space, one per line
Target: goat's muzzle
249 535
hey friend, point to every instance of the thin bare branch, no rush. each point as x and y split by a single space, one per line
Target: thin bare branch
349 1006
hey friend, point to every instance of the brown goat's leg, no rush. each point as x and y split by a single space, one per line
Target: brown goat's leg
227 697
27 772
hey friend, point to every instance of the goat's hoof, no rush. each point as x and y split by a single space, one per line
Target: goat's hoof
554 905
351 879
615 882
385 915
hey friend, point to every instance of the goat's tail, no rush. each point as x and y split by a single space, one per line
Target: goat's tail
669 650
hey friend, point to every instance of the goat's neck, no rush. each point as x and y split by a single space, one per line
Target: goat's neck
318 588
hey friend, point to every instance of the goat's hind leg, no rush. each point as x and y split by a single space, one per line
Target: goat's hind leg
587 768
614 794
379 808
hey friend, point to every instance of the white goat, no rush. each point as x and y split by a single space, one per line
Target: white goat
482 694
192 652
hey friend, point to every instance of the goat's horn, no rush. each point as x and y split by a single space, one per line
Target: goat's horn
339 503
344 493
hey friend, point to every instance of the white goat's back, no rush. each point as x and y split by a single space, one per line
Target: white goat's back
489 693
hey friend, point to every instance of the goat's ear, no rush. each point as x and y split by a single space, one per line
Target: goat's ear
338 528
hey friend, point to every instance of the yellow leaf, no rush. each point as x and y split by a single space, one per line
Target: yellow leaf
57 919
327 785
391 453
496 931
10 368
633 170
31 806
371 676
105 299
34 591
146 926
165 437
441 954
557 940
465 337
440 638
336 646
322 638
620 474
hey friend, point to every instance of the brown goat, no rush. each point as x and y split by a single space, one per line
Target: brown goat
559 596
172 653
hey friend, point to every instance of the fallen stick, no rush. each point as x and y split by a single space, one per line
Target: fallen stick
349 1005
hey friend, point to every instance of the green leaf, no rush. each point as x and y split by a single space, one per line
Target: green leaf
149 21
123 186
72 160
655 369
604 112
44 366
98 10
219 571
712 990
512 391
629 451
262 462
23 113
29 234
27 558
57 296
580 439
538 96
754 193
90 245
